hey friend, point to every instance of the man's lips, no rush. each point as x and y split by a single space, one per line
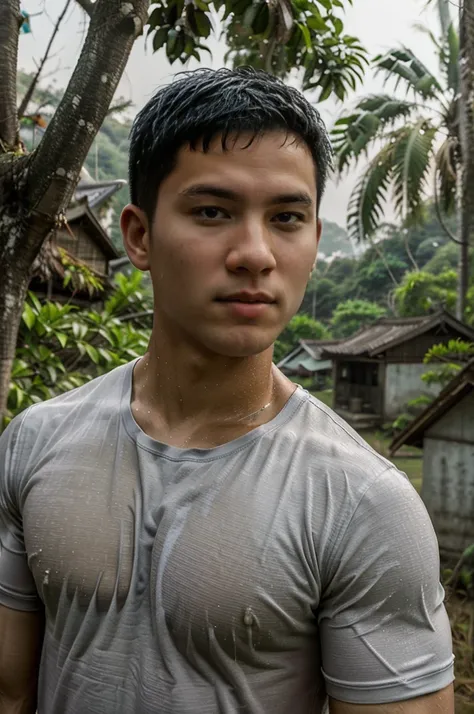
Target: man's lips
249 298
248 305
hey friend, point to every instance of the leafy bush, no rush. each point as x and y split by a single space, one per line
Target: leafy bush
61 347
300 327
422 292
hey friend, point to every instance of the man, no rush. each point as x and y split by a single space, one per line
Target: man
204 538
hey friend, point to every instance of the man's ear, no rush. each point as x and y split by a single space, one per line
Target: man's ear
136 236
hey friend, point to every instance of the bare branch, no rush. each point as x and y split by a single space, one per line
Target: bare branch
87 6
10 23
119 107
57 162
29 92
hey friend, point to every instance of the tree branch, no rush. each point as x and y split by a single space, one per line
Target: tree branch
57 162
29 92
87 6
10 23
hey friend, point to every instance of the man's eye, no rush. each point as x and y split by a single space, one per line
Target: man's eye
210 213
288 218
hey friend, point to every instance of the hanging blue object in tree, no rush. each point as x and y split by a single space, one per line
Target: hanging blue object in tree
25 25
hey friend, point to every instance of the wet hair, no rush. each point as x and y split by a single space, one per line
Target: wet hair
201 105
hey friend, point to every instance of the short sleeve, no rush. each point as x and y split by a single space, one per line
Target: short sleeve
17 586
385 634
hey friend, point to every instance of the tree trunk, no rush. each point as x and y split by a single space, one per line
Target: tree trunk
10 20
466 127
35 191
12 296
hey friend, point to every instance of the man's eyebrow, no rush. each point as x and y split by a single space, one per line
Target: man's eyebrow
300 197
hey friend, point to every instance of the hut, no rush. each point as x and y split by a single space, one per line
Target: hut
445 431
81 241
306 360
379 369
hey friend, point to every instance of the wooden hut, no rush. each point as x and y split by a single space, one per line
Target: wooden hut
445 431
378 370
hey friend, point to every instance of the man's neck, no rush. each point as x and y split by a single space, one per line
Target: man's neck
187 399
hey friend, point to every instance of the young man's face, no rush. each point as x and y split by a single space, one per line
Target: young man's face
233 242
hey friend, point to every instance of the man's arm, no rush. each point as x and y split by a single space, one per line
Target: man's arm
441 702
21 637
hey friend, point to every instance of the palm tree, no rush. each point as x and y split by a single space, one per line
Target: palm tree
416 139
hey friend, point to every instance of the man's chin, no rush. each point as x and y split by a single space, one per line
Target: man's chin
241 346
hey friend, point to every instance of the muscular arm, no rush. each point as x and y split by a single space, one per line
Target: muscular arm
441 702
21 636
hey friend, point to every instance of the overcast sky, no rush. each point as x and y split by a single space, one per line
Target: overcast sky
380 25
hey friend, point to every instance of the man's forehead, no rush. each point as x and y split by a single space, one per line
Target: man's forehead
284 163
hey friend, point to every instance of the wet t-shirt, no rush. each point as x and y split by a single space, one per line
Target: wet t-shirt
256 577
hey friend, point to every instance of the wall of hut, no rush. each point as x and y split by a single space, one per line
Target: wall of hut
403 383
448 477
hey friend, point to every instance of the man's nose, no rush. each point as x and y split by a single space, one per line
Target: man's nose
252 248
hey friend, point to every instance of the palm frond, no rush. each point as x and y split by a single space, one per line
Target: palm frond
353 134
405 67
413 154
446 179
366 205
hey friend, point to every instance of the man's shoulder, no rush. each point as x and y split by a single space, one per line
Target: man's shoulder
100 396
334 450
324 430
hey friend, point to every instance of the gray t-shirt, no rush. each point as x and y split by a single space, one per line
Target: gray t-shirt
255 577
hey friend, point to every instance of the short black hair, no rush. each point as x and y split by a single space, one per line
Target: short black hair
198 106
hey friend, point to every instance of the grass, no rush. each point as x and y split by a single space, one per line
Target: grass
460 609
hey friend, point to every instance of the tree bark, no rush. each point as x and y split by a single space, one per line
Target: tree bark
466 126
10 21
35 190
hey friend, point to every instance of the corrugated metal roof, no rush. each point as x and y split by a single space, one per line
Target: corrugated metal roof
378 337
97 192
316 347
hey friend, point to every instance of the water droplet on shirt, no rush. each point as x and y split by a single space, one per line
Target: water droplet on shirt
248 617
46 577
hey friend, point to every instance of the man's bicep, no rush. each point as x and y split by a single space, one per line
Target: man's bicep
21 637
441 702
385 634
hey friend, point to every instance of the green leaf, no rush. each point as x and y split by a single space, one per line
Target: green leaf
36 303
316 22
62 339
306 36
53 375
92 353
469 552
29 317
203 24
160 38
338 25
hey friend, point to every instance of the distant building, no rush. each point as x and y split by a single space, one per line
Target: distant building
445 431
84 240
379 369
306 361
